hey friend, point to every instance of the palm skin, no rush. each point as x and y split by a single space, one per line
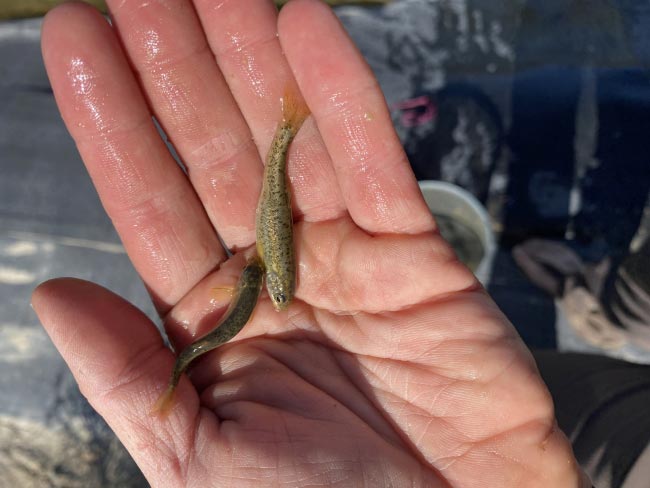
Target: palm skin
391 368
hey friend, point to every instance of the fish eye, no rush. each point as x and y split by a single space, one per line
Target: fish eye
280 298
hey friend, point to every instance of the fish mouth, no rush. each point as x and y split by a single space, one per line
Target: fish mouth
280 301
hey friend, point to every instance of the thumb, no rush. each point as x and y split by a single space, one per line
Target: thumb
121 365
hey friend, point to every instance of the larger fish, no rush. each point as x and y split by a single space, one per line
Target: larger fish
274 223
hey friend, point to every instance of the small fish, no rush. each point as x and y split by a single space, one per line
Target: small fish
238 313
274 225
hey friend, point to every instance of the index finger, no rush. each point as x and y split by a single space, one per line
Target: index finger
153 207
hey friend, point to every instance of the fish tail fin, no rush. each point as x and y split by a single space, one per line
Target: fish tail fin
294 108
163 405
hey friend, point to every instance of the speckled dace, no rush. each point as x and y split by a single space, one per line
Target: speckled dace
274 225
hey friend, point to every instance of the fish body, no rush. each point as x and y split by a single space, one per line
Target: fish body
238 313
274 220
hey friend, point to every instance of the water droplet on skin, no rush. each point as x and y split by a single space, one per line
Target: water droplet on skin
152 44
84 85
80 76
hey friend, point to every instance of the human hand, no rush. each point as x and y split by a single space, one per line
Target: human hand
391 368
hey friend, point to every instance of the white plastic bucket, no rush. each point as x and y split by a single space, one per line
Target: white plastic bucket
464 223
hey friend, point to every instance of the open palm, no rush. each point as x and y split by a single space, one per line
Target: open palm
391 368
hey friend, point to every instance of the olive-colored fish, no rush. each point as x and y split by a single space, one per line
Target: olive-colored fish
274 224
238 313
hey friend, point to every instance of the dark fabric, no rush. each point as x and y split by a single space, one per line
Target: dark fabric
627 300
621 311
602 406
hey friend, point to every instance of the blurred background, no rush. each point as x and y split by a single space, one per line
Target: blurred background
538 109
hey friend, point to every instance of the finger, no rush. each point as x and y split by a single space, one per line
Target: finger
152 205
190 98
376 181
243 36
121 365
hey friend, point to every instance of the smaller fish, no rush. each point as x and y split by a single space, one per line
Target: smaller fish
238 313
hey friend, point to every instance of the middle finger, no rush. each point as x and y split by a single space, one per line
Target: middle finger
243 36
191 100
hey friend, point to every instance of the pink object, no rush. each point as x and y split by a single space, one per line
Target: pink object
416 111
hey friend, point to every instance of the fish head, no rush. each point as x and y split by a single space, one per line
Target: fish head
252 274
280 290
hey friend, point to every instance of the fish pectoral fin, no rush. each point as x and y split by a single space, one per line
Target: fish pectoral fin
223 292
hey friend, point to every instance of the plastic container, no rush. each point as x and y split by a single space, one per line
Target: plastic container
464 223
